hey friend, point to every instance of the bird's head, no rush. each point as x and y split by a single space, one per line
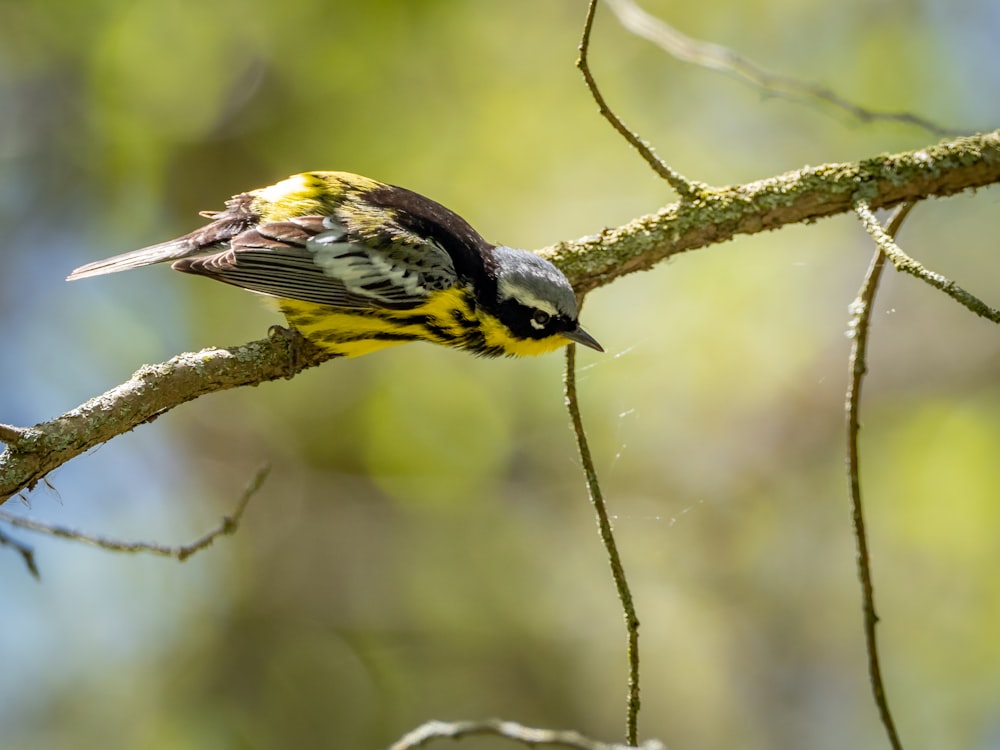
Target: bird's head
536 302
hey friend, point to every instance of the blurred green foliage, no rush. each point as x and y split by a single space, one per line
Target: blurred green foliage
424 547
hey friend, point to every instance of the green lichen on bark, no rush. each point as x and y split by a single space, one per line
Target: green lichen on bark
802 195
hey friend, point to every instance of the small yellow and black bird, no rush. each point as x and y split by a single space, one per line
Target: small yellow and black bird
357 265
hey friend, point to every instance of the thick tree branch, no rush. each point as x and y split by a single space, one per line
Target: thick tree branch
715 216
719 214
152 390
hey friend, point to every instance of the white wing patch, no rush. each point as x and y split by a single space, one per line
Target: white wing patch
366 272
398 273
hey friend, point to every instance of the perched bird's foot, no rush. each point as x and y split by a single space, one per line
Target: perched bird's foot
296 344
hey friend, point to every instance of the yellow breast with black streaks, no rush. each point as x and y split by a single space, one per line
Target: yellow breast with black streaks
448 317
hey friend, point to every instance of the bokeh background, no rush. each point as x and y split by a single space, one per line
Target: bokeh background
424 547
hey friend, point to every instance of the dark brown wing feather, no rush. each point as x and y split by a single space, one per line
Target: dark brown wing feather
210 238
314 259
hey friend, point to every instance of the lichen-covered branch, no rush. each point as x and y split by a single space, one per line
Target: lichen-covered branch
906 264
806 194
154 389
716 215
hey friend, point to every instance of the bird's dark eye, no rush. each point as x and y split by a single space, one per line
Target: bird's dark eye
540 319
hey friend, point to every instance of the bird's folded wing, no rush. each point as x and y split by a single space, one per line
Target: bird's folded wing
314 259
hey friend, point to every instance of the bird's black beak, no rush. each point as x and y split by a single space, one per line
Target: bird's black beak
580 336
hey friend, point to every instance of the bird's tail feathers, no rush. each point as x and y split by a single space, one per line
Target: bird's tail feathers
146 256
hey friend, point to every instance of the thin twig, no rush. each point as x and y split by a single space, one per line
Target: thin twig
510 730
228 525
687 189
860 324
905 263
607 536
721 58
27 553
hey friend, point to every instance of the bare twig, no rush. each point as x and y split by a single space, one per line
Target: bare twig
607 536
27 553
687 189
905 263
228 525
718 57
518 733
860 323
